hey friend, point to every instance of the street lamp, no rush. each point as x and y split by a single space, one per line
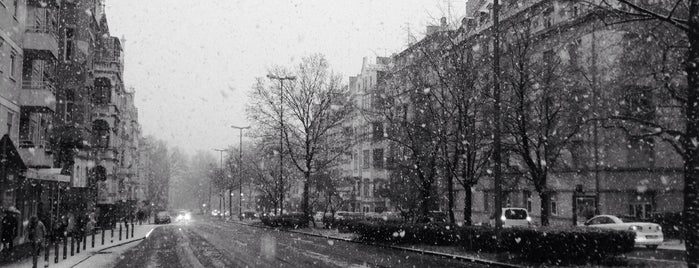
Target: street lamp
240 174
219 196
281 136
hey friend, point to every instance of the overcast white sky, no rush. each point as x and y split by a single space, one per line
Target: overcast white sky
192 62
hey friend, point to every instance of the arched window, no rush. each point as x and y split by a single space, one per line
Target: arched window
100 129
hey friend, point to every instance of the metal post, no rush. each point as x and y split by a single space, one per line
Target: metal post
72 246
119 232
56 247
84 242
240 172
127 230
102 231
497 154
93 239
132 229
77 248
65 247
281 137
111 240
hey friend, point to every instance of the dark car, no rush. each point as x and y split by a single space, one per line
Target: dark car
249 215
162 217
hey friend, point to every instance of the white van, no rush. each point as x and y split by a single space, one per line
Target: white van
513 217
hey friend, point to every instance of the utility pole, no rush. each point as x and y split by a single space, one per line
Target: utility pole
240 173
497 143
281 136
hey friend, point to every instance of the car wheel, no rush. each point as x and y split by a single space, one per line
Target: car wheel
652 246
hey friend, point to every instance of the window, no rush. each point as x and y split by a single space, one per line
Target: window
10 118
579 155
366 159
527 196
68 44
573 54
486 202
13 64
377 130
641 205
554 204
575 11
378 158
641 152
355 157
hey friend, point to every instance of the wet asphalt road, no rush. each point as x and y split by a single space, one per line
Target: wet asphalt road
205 243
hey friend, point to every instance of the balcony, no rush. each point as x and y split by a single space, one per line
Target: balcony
36 154
38 96
108 65
42 40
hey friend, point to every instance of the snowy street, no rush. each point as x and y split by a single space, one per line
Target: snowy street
206 243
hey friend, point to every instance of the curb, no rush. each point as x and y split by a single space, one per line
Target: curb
109 247
413 250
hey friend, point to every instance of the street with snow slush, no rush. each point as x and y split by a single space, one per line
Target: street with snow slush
206 243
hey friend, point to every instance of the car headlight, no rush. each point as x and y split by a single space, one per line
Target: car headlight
634 228
187 217
529 219
502 218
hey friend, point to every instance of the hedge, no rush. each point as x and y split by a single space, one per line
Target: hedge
290 220
547 244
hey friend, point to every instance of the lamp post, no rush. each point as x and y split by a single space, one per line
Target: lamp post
281 136
240 173
219 196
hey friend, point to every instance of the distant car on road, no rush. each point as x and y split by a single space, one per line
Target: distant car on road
183 216
647 234
162 217
249 215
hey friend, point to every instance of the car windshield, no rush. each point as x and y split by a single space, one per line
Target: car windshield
515 214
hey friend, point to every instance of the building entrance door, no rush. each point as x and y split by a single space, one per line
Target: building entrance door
585 208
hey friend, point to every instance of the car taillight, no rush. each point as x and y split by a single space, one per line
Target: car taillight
658 228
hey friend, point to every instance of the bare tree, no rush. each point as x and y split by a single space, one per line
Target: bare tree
316 105
682 15
537 109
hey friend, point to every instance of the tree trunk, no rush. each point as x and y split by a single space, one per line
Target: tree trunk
468 195
691 166
304 203
450 197
426 196
545 197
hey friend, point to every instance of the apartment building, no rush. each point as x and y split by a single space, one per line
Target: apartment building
605 169
366 167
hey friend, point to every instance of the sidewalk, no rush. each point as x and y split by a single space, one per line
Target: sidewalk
673 244
23 257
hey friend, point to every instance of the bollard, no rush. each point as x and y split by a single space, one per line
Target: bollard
132 227
111 240
46 254
55 249
77 249
84 242
127 230
93 239
120 232
72 246
65 247
102 231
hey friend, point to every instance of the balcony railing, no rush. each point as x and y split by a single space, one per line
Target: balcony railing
28 143
47 29
39 85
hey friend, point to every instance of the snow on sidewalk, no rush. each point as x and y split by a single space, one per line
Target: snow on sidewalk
140 232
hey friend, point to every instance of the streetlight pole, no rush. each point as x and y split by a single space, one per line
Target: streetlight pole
240 172
281 136
497 144
219 196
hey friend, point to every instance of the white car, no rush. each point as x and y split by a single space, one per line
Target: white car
647 234
514 217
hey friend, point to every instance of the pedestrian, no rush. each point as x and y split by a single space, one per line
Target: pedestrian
36 235
9 230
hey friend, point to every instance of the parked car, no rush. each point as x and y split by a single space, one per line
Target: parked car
320 215
647 234
346 215
513 217
162 217
249 215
